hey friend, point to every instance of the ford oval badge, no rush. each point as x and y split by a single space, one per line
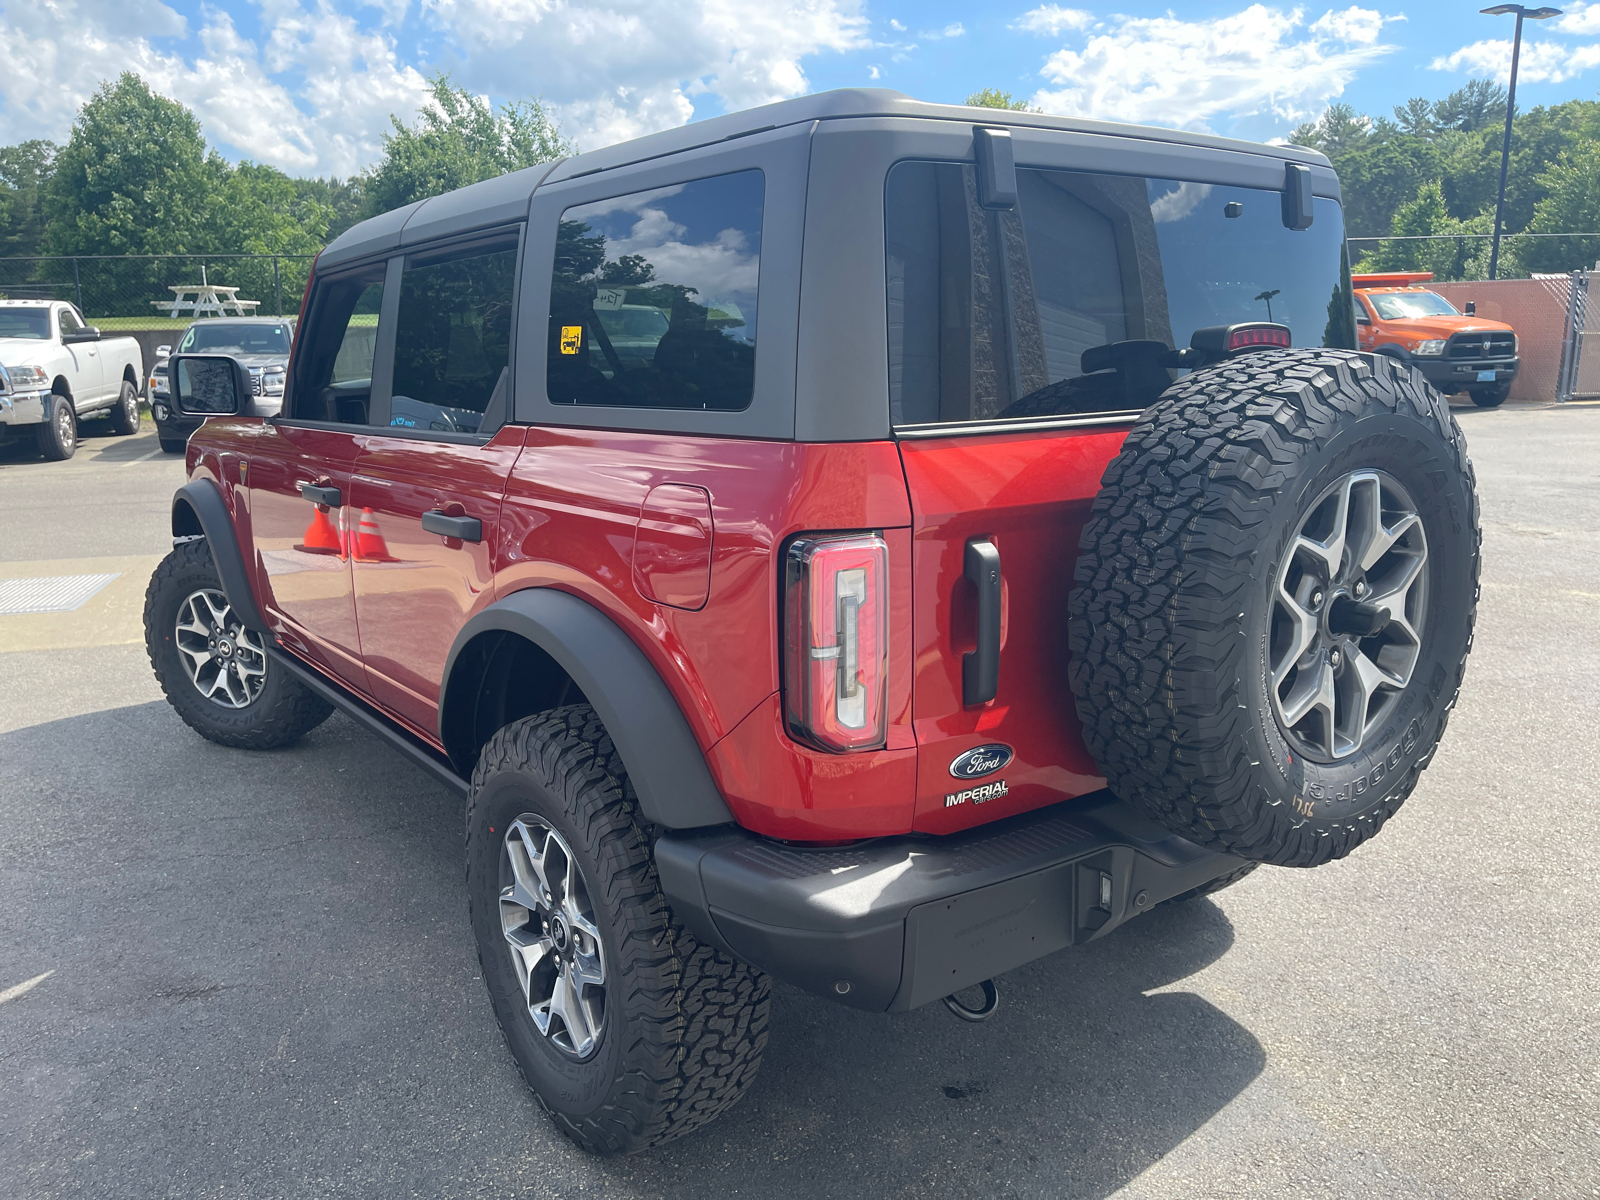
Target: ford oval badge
981 761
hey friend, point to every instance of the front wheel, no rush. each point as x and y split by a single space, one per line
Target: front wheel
627 1029
1490 397
215 672
125 413
58 434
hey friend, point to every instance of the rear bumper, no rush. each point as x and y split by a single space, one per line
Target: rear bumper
893 924
1454 374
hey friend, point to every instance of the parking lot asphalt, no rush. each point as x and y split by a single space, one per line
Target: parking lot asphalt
251 975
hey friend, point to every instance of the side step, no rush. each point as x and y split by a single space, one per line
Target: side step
370 719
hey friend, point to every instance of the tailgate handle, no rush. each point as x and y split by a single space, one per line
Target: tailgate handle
468 529
326 496
980 668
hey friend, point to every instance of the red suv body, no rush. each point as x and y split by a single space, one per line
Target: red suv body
734 432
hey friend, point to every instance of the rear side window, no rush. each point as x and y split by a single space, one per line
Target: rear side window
653 299
1071 302
453 340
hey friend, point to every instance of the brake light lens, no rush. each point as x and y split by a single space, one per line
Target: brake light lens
836 639
1243 337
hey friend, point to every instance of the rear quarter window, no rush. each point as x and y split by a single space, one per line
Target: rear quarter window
654 297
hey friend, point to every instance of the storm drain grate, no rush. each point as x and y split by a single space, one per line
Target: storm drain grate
49 593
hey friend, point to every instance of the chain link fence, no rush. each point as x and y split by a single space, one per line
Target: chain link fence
135 291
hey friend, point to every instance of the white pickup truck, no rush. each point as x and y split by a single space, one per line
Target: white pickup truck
57 371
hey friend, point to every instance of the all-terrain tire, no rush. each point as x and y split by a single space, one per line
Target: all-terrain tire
124 415
1215 886
57 434
1173 609
281 711
685 1025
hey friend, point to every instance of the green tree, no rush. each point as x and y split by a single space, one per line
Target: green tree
24 171
1571 204
1338 132
459 140
1416 117
995 98
1479 104
133 178
346 198
1429 216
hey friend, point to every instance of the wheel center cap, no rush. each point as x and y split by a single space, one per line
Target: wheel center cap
224 648
558 932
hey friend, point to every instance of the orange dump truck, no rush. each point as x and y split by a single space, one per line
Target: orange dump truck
1455 351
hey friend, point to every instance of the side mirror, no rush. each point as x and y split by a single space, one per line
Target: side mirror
208 385
1472 308
89 333
163 351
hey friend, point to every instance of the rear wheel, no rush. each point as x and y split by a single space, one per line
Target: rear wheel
1274 603
627 1029
125 413
57 434
214 671
1490 397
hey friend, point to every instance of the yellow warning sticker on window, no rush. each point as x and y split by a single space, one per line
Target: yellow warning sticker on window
571 339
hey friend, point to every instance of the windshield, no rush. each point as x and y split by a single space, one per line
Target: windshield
1405 306
634 320
31 323
238 339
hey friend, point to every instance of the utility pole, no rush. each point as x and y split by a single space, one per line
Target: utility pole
1532 14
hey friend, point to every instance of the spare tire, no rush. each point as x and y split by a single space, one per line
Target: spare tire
1274 602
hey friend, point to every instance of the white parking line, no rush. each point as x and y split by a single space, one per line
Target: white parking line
23 988
146 457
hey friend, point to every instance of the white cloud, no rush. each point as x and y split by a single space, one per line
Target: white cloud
1581 19
1541 62
896 26
312 93
953 30
1053 20
1168 71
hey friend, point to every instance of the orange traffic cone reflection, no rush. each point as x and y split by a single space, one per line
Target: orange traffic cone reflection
370 546
321 536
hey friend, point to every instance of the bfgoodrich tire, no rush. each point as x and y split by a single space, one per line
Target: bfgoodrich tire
628 1030
214 672
1274 602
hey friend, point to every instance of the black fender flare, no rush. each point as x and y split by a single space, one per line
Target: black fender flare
198 508
665 763
1390 350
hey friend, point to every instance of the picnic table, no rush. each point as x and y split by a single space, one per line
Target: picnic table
207 299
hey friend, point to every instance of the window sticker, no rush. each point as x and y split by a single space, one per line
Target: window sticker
571 339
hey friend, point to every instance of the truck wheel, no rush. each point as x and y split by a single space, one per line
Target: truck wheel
125 413
57 434
627 1029
214 671
1490 397
1274 602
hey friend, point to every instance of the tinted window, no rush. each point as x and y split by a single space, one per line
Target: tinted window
333 372
68 320
453 341
223 337
653 300
33 323
1073 301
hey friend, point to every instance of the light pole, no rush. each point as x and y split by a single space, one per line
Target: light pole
1532 14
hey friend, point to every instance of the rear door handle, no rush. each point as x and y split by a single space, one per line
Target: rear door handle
980 668
326 496
468 529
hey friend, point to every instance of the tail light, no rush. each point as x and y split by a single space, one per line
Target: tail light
836 641
1242 337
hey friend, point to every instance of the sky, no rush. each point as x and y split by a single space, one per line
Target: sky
309 85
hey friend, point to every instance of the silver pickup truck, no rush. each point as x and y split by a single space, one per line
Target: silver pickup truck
57 371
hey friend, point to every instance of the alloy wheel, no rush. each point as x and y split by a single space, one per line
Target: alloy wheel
1347 614
226 662
548 923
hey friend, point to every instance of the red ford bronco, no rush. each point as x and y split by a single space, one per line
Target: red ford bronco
868 543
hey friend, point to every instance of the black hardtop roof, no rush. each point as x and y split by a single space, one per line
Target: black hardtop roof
505 199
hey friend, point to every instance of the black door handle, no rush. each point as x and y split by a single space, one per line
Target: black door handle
980 668
327 496
468 529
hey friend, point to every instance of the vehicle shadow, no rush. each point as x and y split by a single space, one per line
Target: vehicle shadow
110 448
292 1004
